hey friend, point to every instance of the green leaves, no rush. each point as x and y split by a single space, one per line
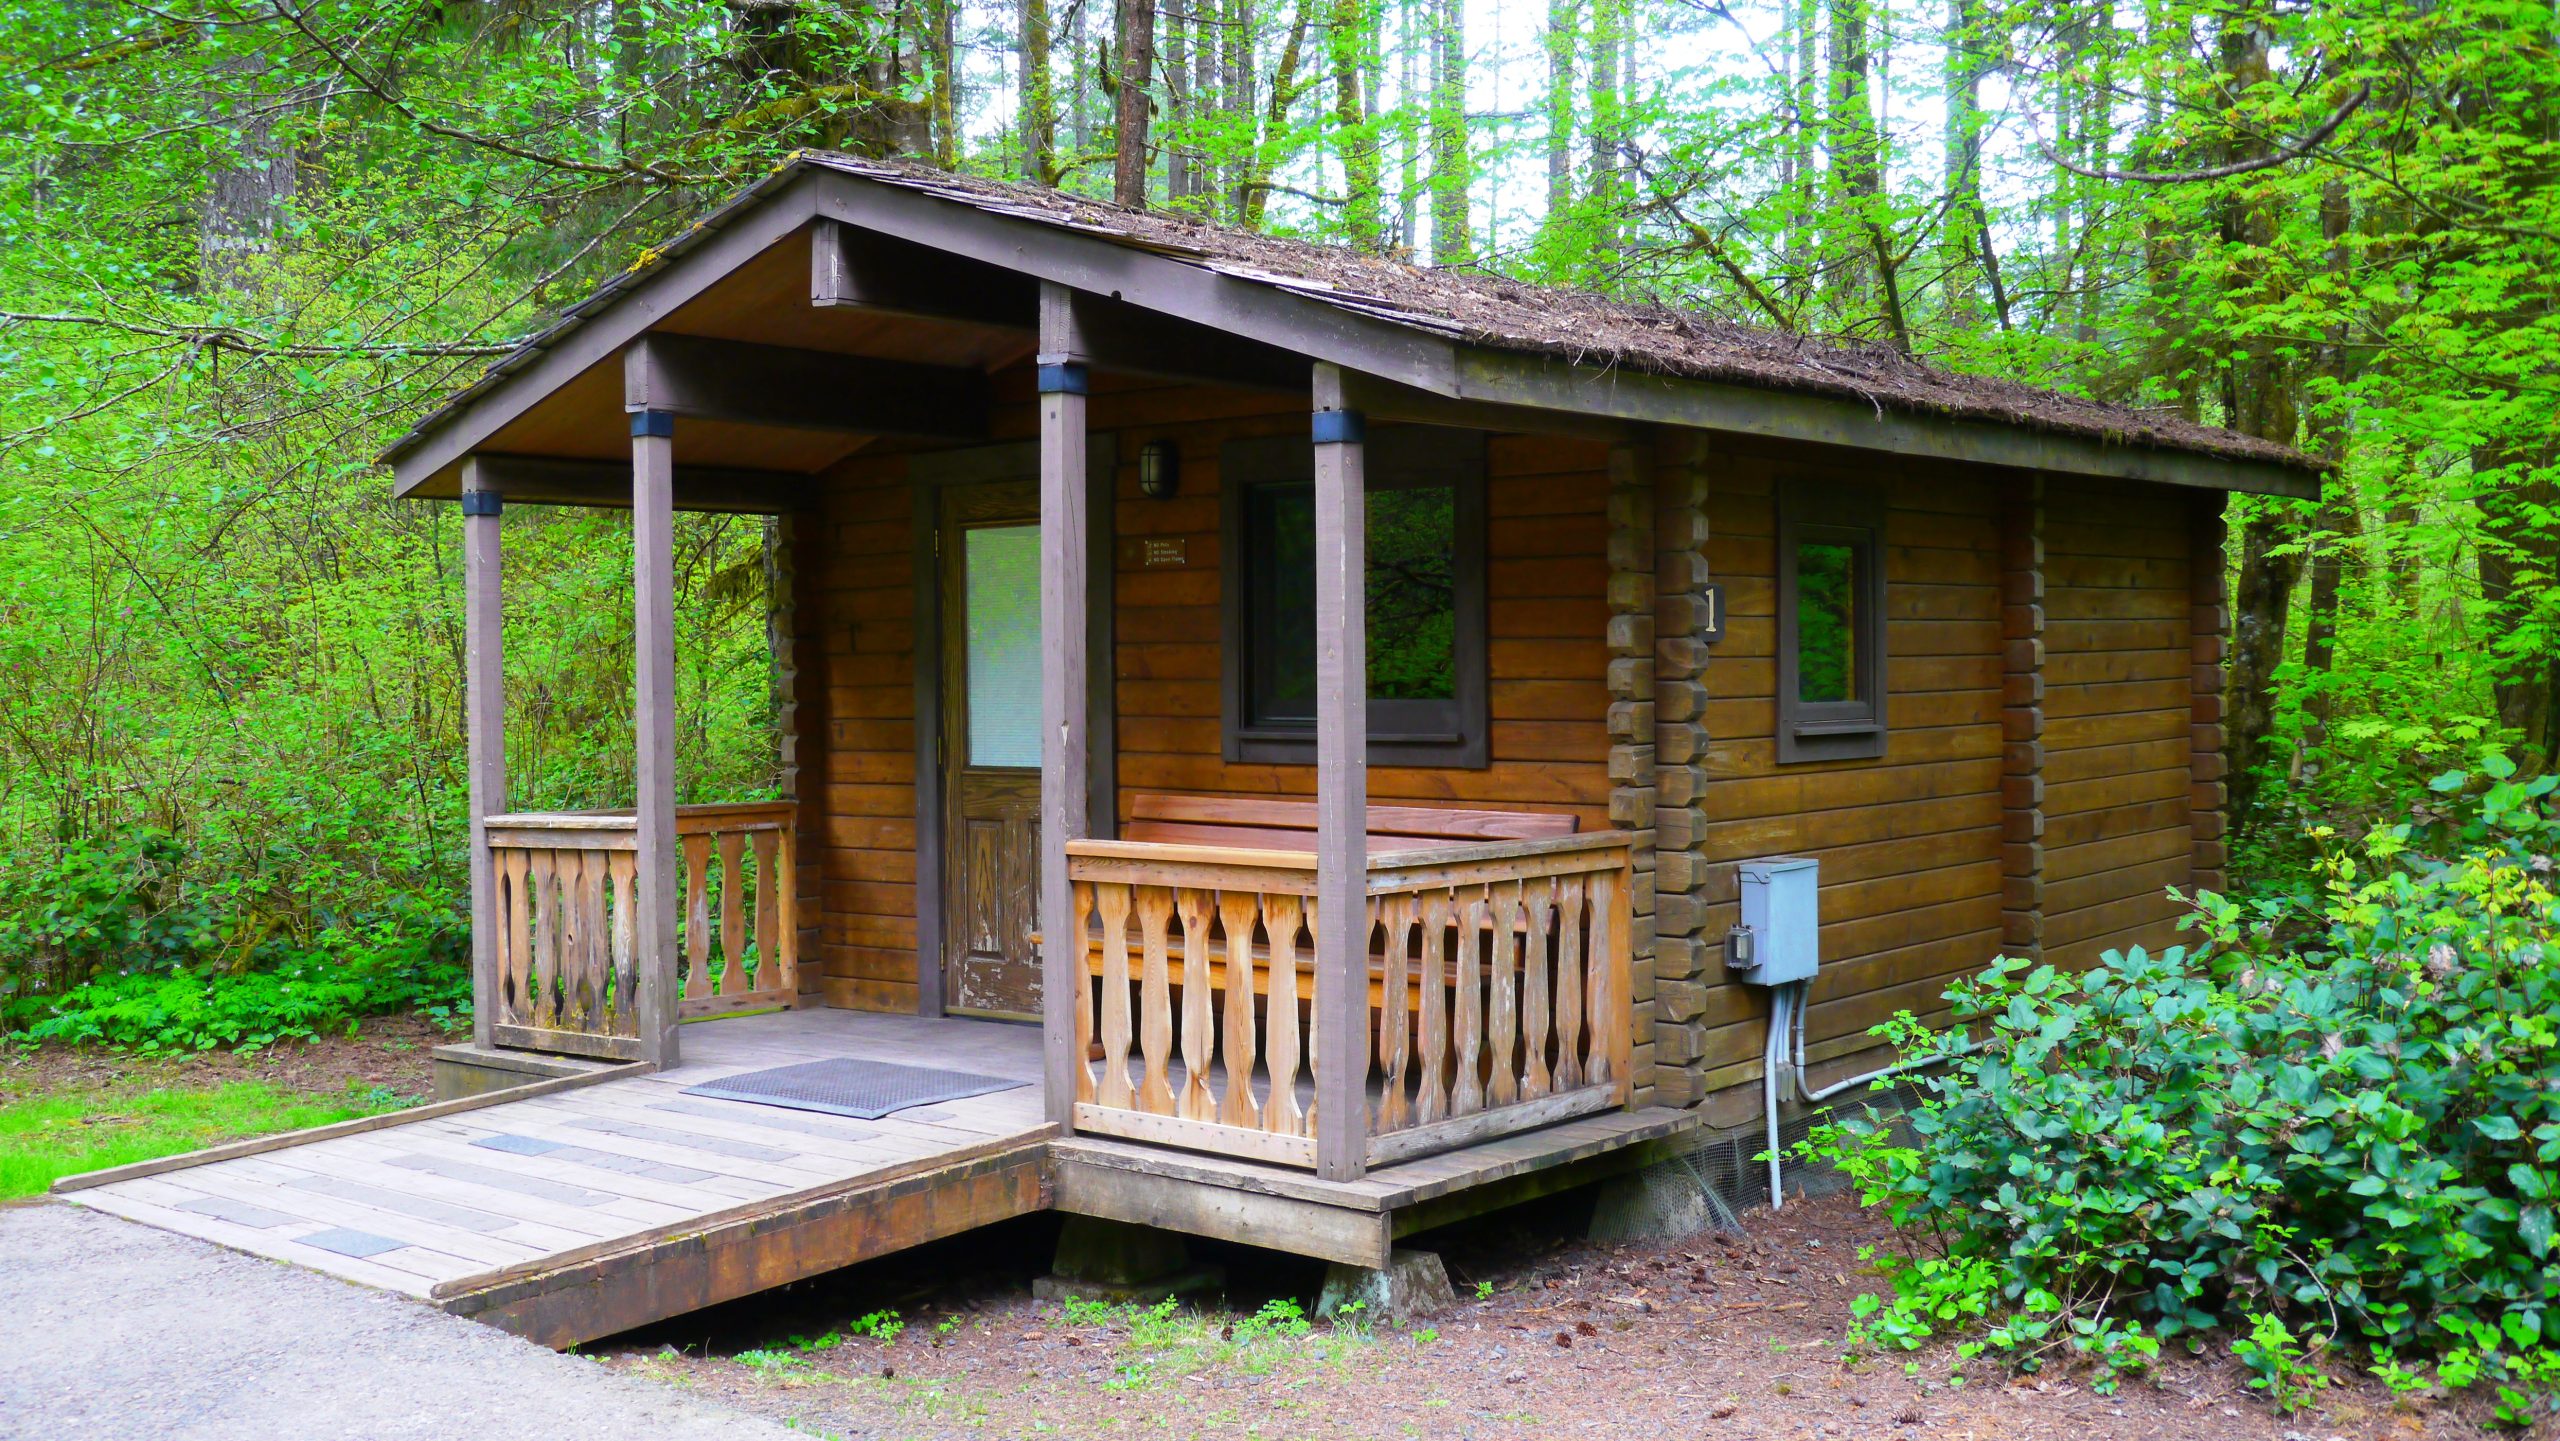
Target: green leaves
2266 1136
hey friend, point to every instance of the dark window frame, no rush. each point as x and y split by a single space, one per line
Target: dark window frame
1451 734
1832 512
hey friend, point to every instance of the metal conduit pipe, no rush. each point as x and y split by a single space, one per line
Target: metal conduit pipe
1787 1007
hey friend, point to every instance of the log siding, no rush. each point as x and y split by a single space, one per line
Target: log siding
2053 762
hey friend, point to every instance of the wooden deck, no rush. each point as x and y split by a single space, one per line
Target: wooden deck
585 1211
592 1206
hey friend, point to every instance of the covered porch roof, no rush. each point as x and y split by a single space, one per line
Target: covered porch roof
840 300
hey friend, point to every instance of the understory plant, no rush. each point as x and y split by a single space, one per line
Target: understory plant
2330 1121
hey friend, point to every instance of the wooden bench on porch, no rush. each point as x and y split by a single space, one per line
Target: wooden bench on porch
1497 976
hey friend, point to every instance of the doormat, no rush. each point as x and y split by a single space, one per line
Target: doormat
867 1089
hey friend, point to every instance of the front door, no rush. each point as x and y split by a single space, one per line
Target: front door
990 744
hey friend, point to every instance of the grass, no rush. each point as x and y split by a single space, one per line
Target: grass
47 1136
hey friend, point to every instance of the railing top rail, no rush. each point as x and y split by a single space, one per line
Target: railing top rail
690 819
1384 864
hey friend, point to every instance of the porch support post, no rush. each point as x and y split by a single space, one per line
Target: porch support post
1064 772
1342 785
484 730
653 729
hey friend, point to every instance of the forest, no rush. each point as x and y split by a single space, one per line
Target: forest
243 244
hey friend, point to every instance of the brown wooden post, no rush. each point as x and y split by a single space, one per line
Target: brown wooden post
1065 520
484 729
1672 715
2209 790
2022 719
1342 785
1632 762
653 727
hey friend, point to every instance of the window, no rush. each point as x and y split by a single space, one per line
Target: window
1425 598
1830 622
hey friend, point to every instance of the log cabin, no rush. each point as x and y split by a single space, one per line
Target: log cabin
1311 726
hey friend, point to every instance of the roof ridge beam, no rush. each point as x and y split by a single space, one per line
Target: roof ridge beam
851 268
776 385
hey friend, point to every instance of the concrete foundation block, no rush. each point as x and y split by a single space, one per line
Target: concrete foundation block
1658 1203
1413 1285
1101 1260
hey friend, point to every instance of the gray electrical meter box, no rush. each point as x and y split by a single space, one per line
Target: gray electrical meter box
1780 939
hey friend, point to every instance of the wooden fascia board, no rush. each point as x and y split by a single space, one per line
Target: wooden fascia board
1161 283
1539 383
597 338
606 484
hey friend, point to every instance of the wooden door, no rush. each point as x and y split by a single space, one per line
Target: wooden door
990 744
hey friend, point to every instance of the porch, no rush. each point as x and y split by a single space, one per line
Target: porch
1341 989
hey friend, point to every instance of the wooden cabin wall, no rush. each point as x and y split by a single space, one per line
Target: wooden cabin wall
858 580
2118 656
1548 623
1910 843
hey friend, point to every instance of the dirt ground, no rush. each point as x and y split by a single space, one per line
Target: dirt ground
388 1051
1717 1336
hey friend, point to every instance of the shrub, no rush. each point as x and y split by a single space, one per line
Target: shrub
2334 1118
115 944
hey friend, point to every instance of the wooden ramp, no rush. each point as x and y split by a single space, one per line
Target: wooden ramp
592 1208
580 1207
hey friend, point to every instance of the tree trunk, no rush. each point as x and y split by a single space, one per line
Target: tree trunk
1357 145
1608 134
1284 93
1411 33
2340 525
1452 165
2519 560
1039 97
1850 137
1563 34
1133 105
247 189
1178 108
2258 399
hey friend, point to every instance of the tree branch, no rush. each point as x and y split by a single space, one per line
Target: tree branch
2281 155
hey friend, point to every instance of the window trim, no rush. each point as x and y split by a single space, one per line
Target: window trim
1404 457
1831 510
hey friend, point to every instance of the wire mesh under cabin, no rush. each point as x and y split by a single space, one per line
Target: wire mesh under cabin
1336 746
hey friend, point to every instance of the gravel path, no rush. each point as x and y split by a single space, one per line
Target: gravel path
113 1330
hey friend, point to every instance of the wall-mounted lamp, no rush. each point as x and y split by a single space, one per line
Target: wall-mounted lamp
1159 469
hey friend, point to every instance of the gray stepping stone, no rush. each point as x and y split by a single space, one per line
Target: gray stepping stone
239 1213
348 1242
539 1187
766 1118
460 1218
667 1136
589 1156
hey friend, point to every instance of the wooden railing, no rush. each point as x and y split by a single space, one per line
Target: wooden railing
568 975
1497 975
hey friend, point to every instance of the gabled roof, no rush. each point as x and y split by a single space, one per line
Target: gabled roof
1456 333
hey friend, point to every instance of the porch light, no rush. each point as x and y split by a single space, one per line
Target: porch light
1159 469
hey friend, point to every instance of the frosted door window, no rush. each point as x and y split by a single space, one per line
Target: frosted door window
1003 597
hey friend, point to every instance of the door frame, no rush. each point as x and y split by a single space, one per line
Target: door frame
928 474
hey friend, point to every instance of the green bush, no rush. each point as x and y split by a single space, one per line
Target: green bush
2340 1117
118 944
